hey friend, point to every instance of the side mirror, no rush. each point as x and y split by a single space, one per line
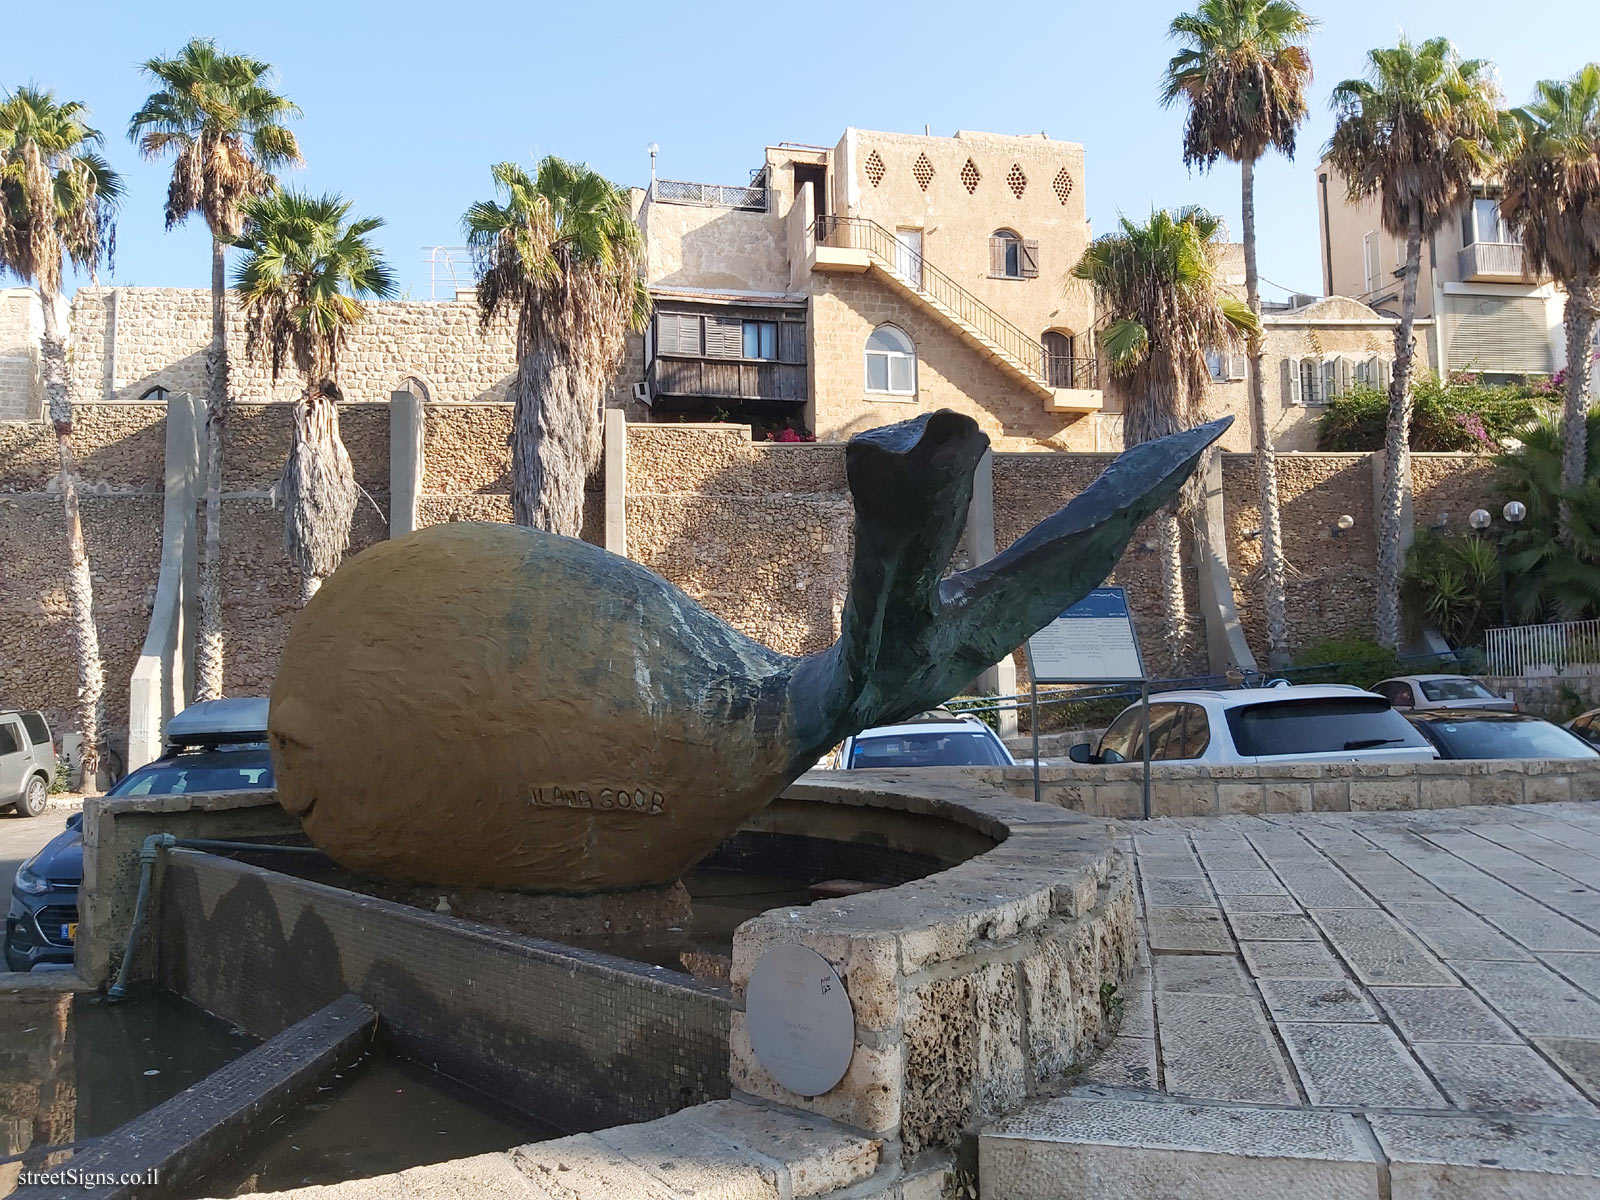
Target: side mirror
1081 753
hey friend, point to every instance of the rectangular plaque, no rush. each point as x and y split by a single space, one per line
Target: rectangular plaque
1092 642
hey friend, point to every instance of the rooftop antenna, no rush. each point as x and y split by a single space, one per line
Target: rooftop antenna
927 130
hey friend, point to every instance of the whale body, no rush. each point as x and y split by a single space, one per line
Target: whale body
490 706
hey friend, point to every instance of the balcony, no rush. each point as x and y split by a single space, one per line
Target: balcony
1491 262
709 195
695 378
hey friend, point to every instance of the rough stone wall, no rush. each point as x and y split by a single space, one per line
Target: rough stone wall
696 246
21 324
759 534
129 340
1445 488
1029 487
1331 579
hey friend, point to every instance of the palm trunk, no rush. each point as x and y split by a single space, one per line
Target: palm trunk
1579 322
80 584
309 585
319 493
1397 446
1169 541
208 649
1277 604
553 425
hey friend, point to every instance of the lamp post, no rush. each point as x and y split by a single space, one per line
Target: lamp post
1512 516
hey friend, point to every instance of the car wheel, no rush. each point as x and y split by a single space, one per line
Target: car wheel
34 799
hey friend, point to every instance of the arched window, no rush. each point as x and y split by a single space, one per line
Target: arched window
1011 256
891 362
1059 367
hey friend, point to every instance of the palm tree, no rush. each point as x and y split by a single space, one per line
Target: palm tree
562 253
1551 173
58 199
305 272
1415 132
218 115
1160 290
1244 71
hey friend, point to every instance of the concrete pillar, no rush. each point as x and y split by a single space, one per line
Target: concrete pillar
405 462
1000 679
1225 641
163 676
616 477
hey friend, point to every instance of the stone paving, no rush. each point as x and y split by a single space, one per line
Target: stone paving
1422 987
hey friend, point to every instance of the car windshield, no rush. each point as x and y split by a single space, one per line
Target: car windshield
1456 689
1508 739
958 748
175 776
1329 725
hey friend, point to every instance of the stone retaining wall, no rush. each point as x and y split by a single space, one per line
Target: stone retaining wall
1249 790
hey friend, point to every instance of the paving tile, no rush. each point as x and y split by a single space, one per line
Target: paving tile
1449 1157
1582 969
1325 888
1128 1062
1090 1144
1451 932
1186 929
1537 1002
1315 1000
1539 928
1232 858
1239 905
1273 927
1378 948
1221 1048
1290 960
1445 1014
1201 974
1357 1065
1138 1009
1579 1058
1246 883
1159 892
1500 1079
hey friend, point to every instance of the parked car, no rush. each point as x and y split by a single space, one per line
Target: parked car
939 738
214 746
1423 692
27 761
1587 726
1473 733
1284 723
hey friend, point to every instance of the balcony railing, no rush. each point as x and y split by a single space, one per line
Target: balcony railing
1552 649
710 195
1069 371
1491 260
907 265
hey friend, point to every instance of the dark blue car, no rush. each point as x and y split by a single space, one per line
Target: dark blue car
223 752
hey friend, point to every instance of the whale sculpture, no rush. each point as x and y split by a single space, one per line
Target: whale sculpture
490 706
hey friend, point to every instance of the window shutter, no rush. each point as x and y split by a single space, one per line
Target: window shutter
1344 376
724 337
1496 333
678 333
1385 372
1330 380
1030 259
1238 366
997 256
1291 381
792 342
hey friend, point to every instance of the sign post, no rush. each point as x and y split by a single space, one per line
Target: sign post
1093 642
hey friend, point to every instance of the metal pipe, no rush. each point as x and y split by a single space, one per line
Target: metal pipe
148 853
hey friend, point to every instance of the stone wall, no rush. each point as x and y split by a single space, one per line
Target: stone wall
21 324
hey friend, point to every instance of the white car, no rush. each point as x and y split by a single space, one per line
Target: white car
931 739
1286 723
1422 692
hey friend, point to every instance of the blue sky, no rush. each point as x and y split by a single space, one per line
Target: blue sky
406 104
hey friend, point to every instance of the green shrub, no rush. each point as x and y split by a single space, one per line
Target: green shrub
1457 414
1344 660
1451 582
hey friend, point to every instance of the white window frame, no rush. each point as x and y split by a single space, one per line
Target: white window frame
1372 261
907 353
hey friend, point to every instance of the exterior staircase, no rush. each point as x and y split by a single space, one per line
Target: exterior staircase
859 245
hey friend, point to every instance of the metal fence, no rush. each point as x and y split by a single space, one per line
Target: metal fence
712 195
1542 649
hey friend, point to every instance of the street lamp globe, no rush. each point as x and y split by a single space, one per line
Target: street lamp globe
1479 519
1514 511
1345 522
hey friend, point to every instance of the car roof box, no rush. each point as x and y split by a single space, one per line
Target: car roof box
237 719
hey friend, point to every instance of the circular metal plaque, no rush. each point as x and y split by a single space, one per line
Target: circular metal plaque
801 1025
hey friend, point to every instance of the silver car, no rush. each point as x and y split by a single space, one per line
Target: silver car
27 761
1419 693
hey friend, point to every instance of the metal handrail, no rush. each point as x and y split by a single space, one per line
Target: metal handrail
712 195
862 233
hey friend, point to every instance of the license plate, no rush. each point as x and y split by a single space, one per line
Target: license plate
69 932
